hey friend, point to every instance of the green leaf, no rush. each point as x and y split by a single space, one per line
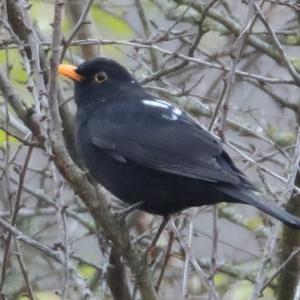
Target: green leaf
3 138
221 280
285 138
42 295
242 290
296 63
254 223
86 271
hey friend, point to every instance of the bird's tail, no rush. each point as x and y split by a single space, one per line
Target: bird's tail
250 197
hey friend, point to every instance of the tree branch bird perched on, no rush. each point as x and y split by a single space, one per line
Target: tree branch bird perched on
145 150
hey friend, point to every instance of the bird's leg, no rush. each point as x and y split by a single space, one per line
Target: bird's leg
158 233
124 212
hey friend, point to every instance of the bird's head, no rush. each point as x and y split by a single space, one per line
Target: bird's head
98 79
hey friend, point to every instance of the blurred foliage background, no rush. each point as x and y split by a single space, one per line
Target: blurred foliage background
262 123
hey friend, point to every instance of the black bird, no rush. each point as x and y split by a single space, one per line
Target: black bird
145 150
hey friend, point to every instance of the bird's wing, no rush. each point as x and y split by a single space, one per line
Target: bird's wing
161 137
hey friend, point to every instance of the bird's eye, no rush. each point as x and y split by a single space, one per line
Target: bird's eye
101 77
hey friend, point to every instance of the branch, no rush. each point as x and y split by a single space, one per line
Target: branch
46 250
17 205
82 27
94 197
150 45
283 55
28 117
117 277
287 281
233 26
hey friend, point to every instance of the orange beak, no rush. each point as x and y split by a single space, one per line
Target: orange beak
69 71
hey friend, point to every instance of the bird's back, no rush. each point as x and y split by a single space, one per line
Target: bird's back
109 135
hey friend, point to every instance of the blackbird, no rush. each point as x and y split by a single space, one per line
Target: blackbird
147 151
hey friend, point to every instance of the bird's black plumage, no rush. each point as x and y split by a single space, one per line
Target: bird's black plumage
144 149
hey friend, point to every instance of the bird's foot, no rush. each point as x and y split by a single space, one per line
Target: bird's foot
151 250
124 212
151 254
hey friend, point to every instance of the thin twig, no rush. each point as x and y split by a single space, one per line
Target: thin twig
165 262
24 271
278 45
194 263
278 271
76 28
16 208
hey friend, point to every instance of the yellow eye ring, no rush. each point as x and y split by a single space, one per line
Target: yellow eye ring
101 77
